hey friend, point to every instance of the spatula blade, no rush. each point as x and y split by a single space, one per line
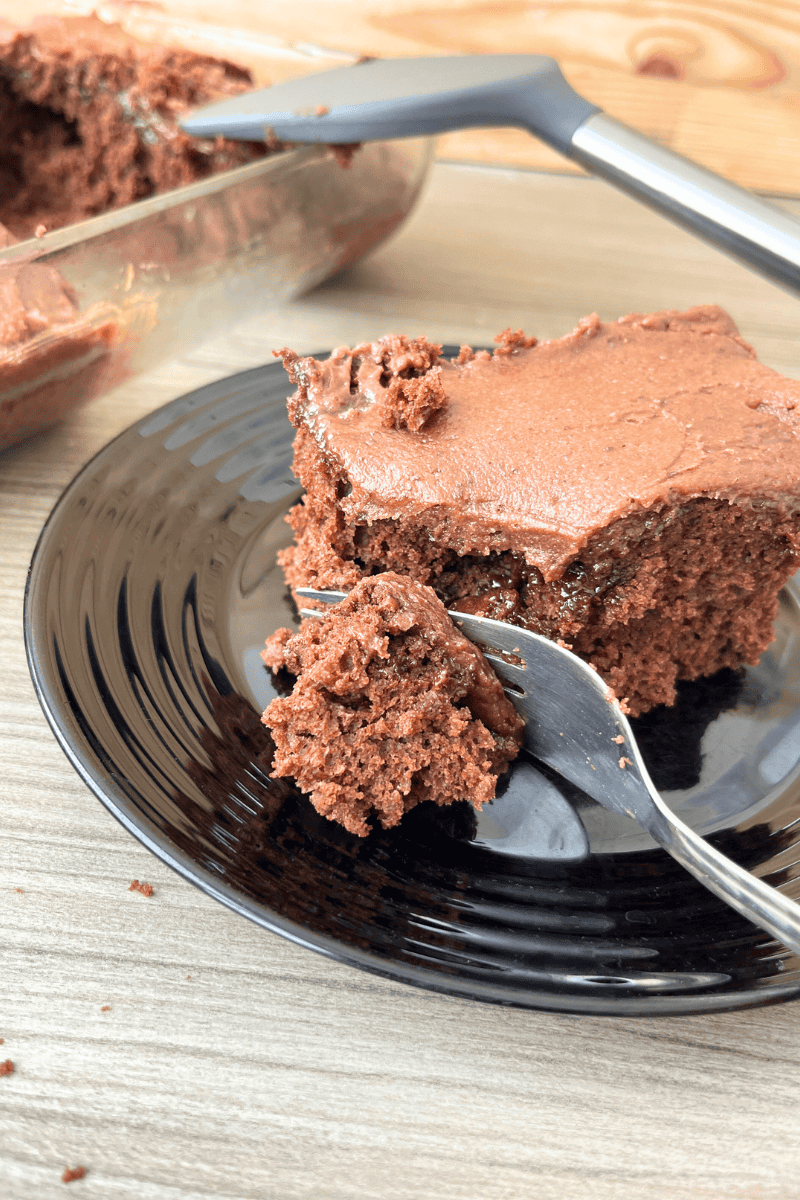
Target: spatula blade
390 98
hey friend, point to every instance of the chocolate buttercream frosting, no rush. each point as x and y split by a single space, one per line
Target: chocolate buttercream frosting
536 447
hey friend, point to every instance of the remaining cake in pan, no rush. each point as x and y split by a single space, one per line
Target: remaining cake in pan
90 120
49 351
391 706
632 488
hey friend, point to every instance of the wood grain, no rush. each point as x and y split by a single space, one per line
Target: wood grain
717 80
271 1073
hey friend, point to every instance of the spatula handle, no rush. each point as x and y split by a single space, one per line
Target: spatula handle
714 209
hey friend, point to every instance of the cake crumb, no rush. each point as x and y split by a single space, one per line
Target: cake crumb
40 231
624 762
105 1008
410 403
188 977
619 739
512 339
343 153
145 888
587 327
412 381
20 890
7 1067
72 1173
321 110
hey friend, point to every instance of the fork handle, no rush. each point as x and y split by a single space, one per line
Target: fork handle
761 903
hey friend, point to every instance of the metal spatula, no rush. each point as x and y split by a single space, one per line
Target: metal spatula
393 98
573 723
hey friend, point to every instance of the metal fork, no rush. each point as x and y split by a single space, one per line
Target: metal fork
574 725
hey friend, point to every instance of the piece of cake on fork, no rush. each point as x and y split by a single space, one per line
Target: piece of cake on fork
392 705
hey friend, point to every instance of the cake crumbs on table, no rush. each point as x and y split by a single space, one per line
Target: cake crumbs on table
20 890
619 739
624 762
105 1008
7 1067
145 888
70 1174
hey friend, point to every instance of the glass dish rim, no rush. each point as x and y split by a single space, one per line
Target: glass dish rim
128 214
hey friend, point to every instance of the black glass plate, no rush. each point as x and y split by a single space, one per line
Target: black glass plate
151 591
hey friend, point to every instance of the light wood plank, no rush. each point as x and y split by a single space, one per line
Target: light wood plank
717 80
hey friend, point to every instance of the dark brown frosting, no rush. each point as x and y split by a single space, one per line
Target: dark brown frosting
539 446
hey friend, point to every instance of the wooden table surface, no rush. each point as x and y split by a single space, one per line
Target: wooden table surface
716 80
179 1052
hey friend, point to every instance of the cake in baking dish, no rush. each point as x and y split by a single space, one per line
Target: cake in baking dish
90 120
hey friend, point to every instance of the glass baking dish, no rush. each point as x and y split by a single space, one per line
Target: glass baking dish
168 272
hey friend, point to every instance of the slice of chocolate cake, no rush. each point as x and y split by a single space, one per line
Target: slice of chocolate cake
632 488
392 706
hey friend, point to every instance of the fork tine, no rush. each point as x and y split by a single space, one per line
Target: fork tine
486 634
498 661
323 597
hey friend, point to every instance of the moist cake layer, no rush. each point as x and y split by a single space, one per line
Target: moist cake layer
392 706
632 488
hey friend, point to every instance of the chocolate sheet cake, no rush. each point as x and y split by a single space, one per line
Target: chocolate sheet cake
90 120
90 123
392 706
632 488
